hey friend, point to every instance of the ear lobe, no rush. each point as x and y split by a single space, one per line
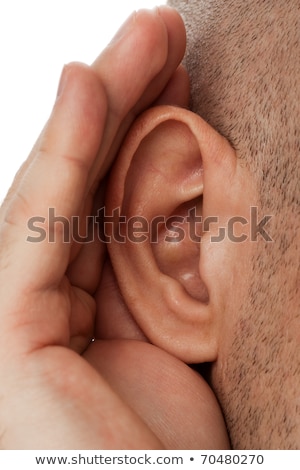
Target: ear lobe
158 183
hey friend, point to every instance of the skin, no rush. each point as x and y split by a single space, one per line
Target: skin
52 396
61 391
243 62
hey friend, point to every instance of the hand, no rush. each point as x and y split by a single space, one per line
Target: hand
50 396
172 399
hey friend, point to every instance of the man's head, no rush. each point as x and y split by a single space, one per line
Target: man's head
243 58
232 298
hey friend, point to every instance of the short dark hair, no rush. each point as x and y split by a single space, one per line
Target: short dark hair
244 64
243 58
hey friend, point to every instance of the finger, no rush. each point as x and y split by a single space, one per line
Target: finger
85 268
82 320
55 179
176 49
143 376
177 91
159 35
113 319
160 31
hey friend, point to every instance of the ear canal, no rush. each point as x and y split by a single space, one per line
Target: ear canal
154 191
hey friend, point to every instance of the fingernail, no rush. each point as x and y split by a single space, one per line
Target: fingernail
62 82
124 28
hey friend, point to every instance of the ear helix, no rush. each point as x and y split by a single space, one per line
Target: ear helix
159 170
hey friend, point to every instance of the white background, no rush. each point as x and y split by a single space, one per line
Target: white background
37 37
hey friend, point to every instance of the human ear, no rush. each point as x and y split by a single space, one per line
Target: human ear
173 171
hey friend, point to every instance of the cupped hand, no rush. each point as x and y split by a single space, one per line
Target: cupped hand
51 397
175 402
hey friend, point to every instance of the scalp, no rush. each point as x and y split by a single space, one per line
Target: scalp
243 60
243 57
